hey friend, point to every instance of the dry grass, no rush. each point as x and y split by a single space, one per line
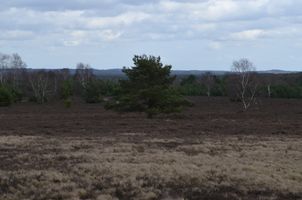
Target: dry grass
104 168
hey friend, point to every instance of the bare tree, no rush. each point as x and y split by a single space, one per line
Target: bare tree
17 65
83 74
65 73
208 80
11 69
57 78
246 82
4 64
39 82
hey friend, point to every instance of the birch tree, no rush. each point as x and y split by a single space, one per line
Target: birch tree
17 65
246 82
4 64
39 82
208 80
83 74
11 69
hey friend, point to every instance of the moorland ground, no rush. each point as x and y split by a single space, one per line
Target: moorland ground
210 151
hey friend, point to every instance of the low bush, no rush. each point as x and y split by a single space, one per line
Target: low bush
193 89
17 95
67 89
109 87
6 97
67 103
92 92
286 91
189 86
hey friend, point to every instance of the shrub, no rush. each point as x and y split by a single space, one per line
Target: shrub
17 95
109 87
96 89
189 86
67 89
219 88
286 91
193 89
6 98
92 92
67 103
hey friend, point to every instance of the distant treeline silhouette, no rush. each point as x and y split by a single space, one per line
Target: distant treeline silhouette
148 86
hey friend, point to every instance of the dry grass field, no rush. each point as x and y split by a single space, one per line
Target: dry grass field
211 151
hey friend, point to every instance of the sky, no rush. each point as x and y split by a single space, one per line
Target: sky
187 34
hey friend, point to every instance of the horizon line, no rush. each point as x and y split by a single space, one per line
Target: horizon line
201 70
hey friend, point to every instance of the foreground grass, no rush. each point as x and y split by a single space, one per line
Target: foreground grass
244 167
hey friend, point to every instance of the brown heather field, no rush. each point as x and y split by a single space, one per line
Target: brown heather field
210 151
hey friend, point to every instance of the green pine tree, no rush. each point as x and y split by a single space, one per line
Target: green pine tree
148 88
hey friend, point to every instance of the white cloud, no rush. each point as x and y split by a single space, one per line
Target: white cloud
85 22
248 34
274 33
124 19
215 45
71 43
90 37
205 27
109 35
16 35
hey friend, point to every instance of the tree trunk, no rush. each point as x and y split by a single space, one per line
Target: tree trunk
269 91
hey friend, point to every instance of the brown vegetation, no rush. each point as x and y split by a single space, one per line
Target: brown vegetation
211 151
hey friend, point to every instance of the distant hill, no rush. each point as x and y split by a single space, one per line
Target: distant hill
277 71
118 72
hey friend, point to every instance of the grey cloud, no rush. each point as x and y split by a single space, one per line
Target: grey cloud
107 20
55 5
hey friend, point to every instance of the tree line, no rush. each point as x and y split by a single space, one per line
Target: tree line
149 86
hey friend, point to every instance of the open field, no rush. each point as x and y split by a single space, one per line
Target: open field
211 151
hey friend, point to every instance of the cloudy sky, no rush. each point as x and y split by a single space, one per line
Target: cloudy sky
188 34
